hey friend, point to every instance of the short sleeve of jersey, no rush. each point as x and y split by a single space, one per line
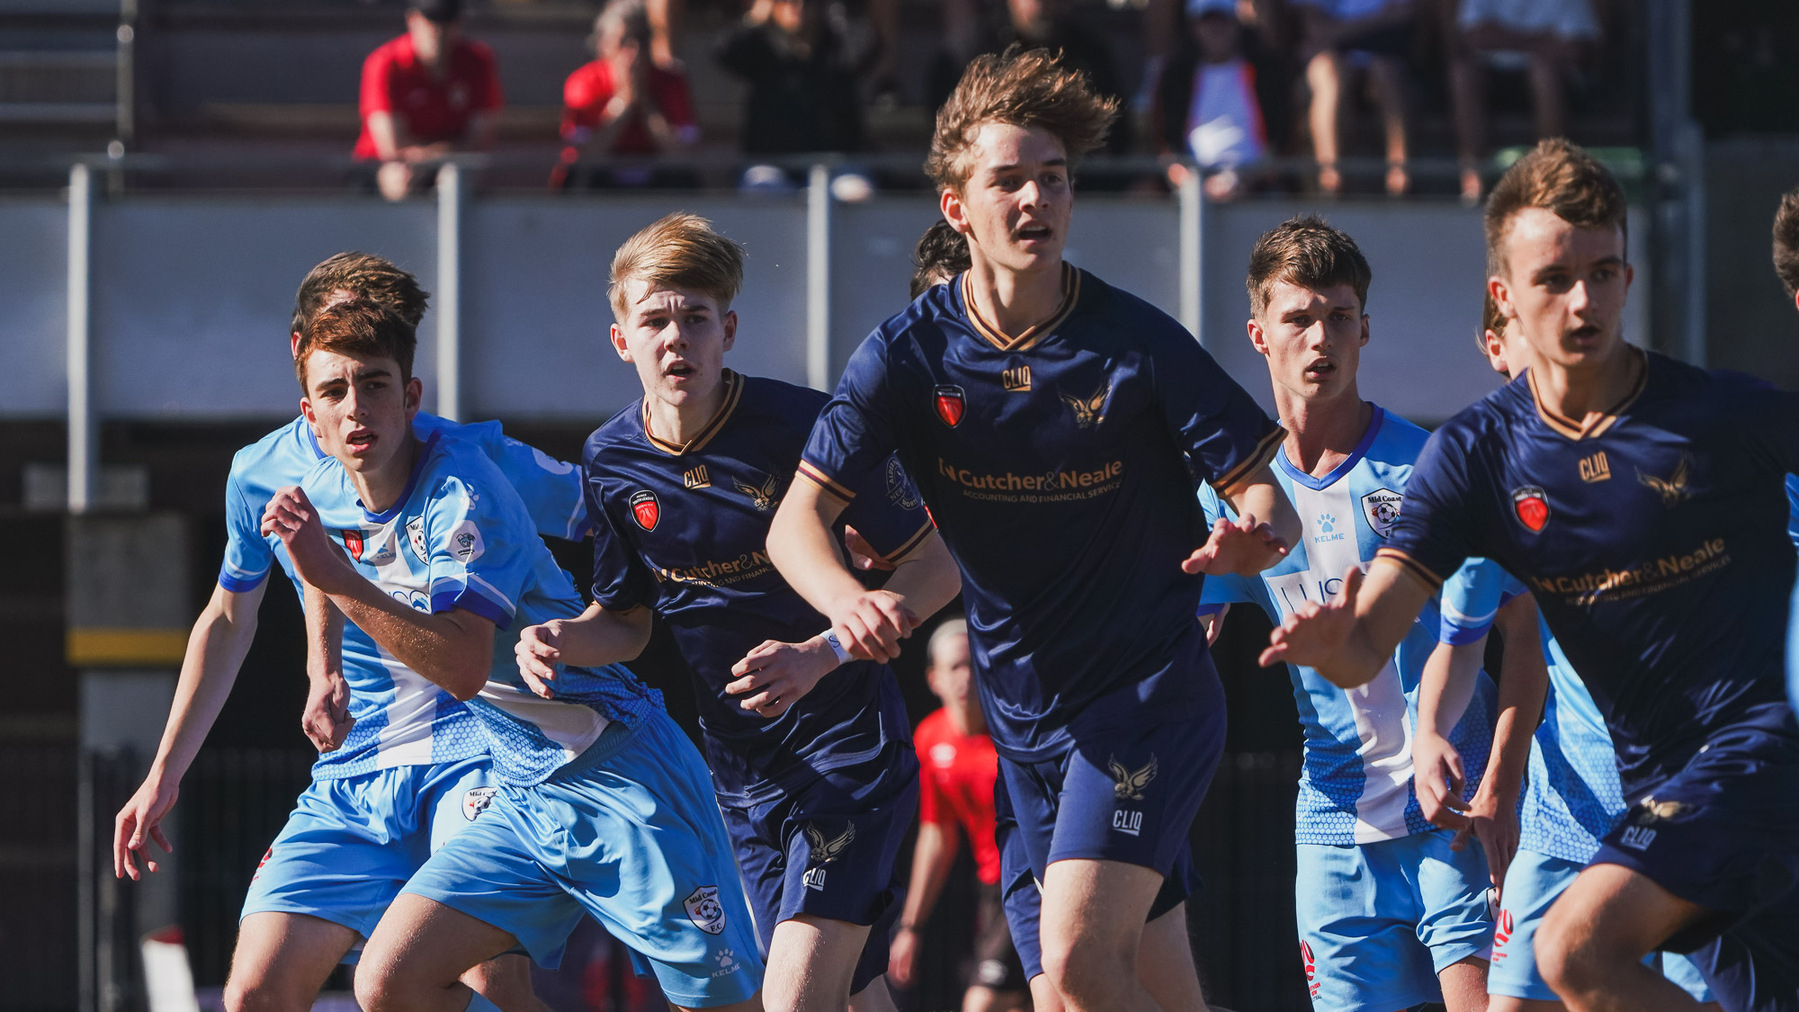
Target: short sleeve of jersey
248 557
551 488
889 513
854 434
1224 432
376 69
1229 588
476 560
1434 533
1472 599
621 580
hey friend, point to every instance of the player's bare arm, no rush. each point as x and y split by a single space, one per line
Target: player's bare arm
1523 684
1444 690
326 719
1350 637
594 638
216 648
1265 528
454 649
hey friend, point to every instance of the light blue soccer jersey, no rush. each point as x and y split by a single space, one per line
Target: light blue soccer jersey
459 537
1572 796
1356 784
400 718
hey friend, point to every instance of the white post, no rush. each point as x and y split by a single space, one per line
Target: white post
1192 203
81 409
449 291
818 278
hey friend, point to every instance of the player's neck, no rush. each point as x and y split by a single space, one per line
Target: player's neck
966 720
1015 301
381 488
1578 392
1321 434
681 423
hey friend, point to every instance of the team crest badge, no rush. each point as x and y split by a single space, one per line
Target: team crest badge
645 509
765 496
1128 784
476 800
950 404
899 487
825 851
1381 509
415 533
705 911
1531 507
353 542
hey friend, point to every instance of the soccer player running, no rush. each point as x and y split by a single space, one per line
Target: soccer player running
1641 500
810 752
1571 794
400 769
601 805
1050 421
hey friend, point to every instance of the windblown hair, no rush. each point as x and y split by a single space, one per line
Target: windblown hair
682 251
365 275
1307 251
941 254
1559 177
358 327
1026 88
1786 242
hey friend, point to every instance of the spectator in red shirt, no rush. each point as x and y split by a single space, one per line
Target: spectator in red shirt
426 94
957 768
623 104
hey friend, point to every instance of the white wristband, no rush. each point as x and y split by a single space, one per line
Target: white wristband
837 648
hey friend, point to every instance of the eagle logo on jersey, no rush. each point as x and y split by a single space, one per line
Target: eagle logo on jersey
1127 785
1650 810
1088 411
950 403
1673 489
1381 509
825 851
764 497
645 509
1531 506
704 910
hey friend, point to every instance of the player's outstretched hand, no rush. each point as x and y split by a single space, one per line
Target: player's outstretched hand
326 719
1315 632
140 821
1437 772
776 675
539 651
1237 546
871 625
291 517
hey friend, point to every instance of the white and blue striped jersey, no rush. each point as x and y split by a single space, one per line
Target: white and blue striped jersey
395 725
459 537
1356 782
1572 796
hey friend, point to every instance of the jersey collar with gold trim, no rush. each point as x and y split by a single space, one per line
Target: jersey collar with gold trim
1071 293
733 384
1594 425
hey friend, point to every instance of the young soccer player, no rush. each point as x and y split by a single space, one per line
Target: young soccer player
1642 502
1051 422
811 762
1389 915
398 763
1571 797
600 805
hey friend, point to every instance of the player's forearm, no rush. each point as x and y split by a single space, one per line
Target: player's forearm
386 137
216 648
1260 499
932 859
598 637
802 548
1447 685
1390 600
453 655
1523 685
324 636
928 580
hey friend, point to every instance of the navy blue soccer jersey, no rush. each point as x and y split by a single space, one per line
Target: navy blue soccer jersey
1060 467
683 530
1654 540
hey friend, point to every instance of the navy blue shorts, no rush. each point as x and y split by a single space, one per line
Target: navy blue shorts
1723 832
828 850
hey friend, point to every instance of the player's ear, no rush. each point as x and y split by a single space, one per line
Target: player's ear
1257 339
618 343
1502 297
730 322
953 210
1495 349
415 394
1364 330
293 344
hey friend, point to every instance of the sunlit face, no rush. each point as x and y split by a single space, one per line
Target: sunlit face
1562 289
677 339
359 407
1016 205
951 673
1312 338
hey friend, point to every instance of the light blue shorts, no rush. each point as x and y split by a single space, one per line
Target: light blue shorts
351 843
1379 921
1532 883
629 832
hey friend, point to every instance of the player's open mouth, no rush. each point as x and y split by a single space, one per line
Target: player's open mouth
1321 368
1033 233
681 370
1584 335
361 439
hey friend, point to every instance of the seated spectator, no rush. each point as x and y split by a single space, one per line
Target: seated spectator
622 105
1542 37
1206 101
426 94
805 93
1341 36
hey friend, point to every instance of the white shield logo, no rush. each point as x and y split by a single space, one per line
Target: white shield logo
704 910
1381 509
476 800
415 533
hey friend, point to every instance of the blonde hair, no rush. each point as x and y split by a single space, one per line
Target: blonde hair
1023 87
680 250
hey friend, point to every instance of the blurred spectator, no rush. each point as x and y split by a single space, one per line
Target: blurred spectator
957 768
803 78
426 94
1341 36
1206 101
1541 37
623 105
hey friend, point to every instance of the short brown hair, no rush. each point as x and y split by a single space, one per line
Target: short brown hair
941 254
680 250
1786 242
1559 177
1309 251
1026 88
368 276
358 326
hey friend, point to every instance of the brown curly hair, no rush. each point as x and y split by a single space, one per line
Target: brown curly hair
1023 87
